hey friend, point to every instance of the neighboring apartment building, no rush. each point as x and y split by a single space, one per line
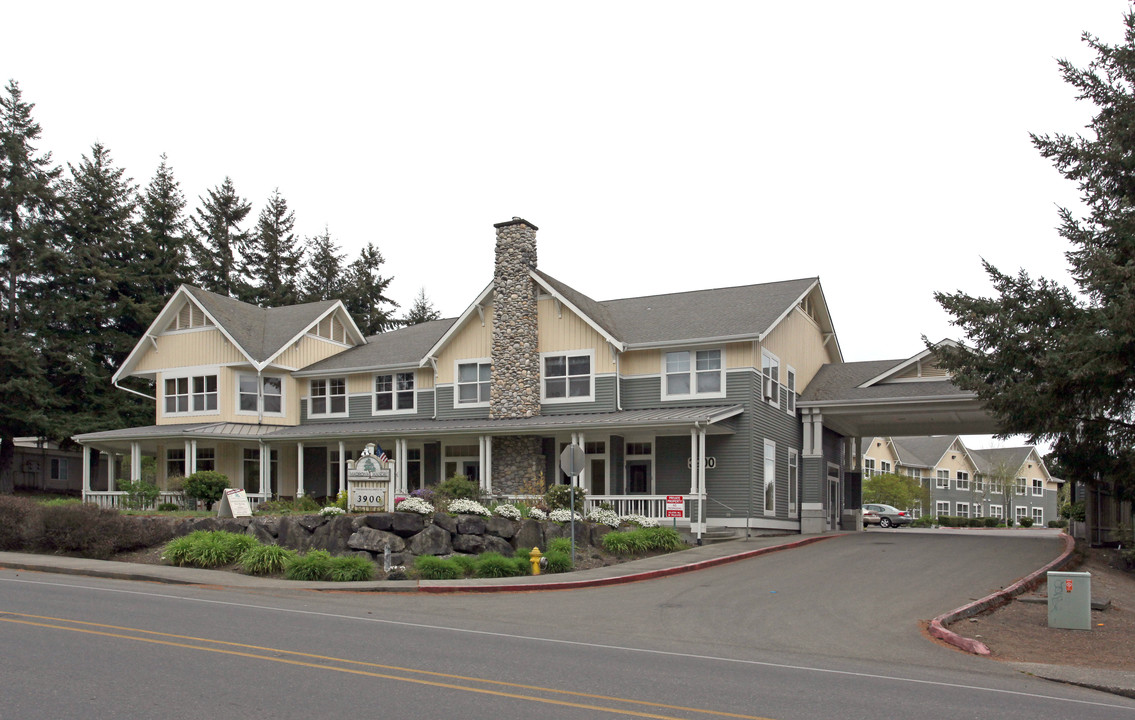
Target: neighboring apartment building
965 482
692 393
40 465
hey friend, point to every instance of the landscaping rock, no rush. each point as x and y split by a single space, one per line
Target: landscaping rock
430 541
293 535
471 524
378 521
496 544
597 531
311 522
261 533
471 544
529 534
409 524
501 527
446 521
375 541
332 536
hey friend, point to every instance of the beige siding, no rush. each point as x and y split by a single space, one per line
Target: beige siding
956 459
879 450
927 368
227 401
641 362
307 351
187 349
472 340
563 330
738 355
798 342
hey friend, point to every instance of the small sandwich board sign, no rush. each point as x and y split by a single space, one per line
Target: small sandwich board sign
234 503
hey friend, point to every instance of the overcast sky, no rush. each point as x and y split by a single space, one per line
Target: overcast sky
659 146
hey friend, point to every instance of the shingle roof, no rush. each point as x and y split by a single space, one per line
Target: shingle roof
261 332
841 381
922 451
1012 458
403 347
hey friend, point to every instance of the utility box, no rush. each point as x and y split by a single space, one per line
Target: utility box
1070 600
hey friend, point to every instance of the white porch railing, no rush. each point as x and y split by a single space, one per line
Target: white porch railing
651 506
116 499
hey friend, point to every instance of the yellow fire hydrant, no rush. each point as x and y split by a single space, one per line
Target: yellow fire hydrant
534 558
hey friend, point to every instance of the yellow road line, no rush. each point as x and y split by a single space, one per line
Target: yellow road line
12 618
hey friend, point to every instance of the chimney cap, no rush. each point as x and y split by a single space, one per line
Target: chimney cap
515 221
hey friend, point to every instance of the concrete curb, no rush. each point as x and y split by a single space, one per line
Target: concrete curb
938 628
427 586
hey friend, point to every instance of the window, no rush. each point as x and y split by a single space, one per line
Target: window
793 480
271 390
328 397
790 378
770 378
1038 516
942 507
473 381
193 394
175 463
687 373
206 459
943 480
868 467
996 486
962 509
58 469
884 466
977 510
915 473
1038 487
251 467
1021 511
770 477
996 511
394 392
963 480
1020 486
979 482
567 377
639 464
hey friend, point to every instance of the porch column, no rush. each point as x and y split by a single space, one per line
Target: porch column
701 482
299 470
693 461
342 466
264 471
481 461
111 471
582 477
186 462
192 457
135 462
86 472
488 469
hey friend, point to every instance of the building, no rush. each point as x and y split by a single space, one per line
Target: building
964 482
701 394
42 466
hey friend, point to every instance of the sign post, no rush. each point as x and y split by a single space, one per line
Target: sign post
571 462
675 508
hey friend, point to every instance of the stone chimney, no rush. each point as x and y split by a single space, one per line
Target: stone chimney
515 389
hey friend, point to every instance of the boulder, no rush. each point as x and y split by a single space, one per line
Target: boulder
597 531
293 535
471 524
446 521
529 534
472 544
408 524
260 532
311 522
501 527
378 521
375 541
332 536
496 544
554 530
430 541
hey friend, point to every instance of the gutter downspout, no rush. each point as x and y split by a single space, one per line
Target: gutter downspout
618 381
135 392
260 397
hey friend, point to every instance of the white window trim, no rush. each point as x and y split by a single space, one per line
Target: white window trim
260 395
770 451
1020 511
793 483
941 482
693 393
394 392
958 480
1038 516
770 394
628 457
457 385
1038 487
790 374
189 374
346 399
942 507
997 511
590 397
959 507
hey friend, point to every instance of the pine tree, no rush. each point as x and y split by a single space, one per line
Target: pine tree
323 279
28 212
1055 364
272 261
220 240
421 311
163 238
364 296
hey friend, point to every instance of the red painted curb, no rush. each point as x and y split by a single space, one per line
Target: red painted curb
938 628
636 577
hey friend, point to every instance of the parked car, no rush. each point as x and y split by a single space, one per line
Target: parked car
885 516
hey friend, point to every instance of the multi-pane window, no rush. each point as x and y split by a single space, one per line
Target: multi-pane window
884 466
962 509
328 397
473 381
175 463
197 394
394 392
58 469
1021 511
915 473
963 480
270 388
793 479
770 378
1038 516
868 467
206 459
693 373
251 467
996 486
1038 487
567 377
790 378
942 480
996 511
1020 486
770 477
977 512
942 507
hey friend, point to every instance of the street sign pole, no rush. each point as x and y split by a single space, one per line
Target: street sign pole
571 462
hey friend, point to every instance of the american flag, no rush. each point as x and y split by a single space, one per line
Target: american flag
381 454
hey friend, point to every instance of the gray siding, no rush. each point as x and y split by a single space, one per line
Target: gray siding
773 423
359 407
604 400
446 410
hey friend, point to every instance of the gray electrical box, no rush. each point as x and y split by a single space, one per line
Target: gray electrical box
1070 600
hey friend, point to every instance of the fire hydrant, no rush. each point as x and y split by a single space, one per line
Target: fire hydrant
534 558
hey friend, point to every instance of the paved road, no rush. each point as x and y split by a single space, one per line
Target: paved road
780 636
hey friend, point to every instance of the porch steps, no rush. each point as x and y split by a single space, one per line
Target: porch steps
711 534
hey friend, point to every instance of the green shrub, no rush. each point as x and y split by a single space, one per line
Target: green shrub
558 497
466 563
207 486
1026 522
168 507
493 565
617 543
265 559
61 502
1008 522
559 562
140 494
431 567
350 569
89 531
19 522
663 538
924 521
304 504
1061 523
208 549
943 520
523 565
560 544
458 487
315 565
991 522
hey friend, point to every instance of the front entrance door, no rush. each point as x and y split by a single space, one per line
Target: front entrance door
638 477
835 503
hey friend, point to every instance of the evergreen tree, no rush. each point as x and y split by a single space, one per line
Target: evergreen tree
28 212
272 261
364 296
220 239
323 279
162 236
1055 364
421 311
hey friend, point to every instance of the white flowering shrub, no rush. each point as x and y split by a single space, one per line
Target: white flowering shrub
415 505
507 511
331 510
563 515
604 516
641 520
465 506
537 514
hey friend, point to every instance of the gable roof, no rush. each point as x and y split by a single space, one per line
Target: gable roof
892 373
401 348
1012 458
923 452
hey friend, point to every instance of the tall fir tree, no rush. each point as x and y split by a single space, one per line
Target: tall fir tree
365 294
1055 364
272 260
323 278
163 235
421 311
220 239
29 198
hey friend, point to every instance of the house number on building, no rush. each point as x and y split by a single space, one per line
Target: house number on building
709 462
